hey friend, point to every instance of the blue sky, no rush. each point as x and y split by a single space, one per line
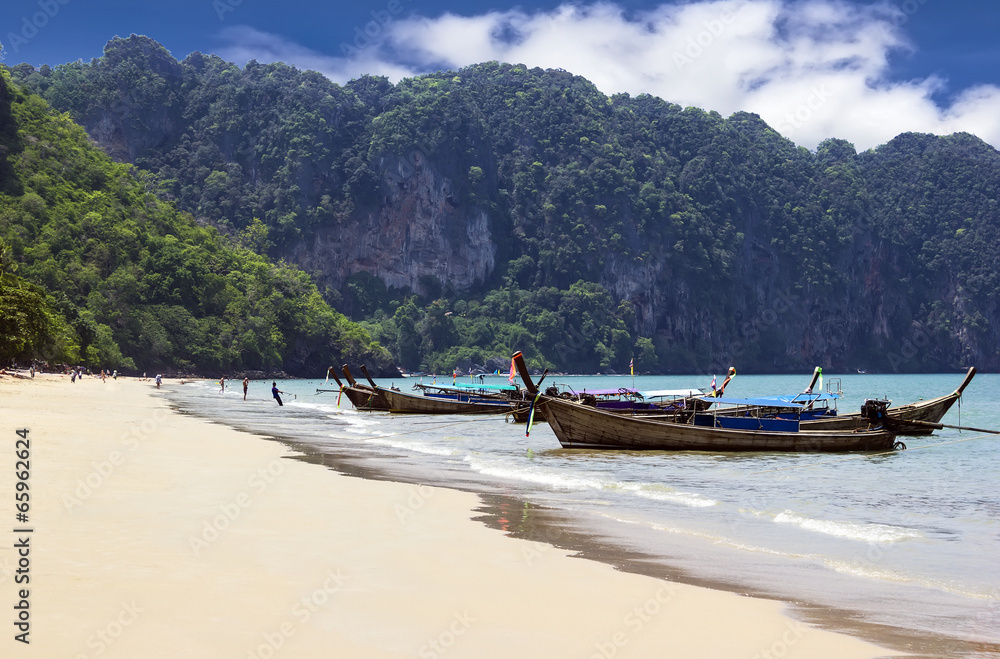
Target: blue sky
864 71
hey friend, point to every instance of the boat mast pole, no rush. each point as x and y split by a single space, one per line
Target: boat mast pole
332 372
368 377
522 370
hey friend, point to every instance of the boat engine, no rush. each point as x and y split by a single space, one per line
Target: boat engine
874 411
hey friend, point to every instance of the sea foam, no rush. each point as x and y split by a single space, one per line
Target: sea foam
870 533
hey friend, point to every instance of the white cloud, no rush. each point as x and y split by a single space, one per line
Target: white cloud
243 43
812 70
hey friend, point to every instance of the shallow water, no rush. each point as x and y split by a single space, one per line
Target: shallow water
908 539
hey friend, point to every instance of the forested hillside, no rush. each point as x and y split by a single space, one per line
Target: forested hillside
464 214
98 271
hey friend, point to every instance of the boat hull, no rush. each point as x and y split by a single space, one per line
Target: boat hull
583 427
402 403
365 398
928 411
931 411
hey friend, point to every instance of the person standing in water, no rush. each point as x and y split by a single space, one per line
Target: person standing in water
222 384
246 383
275 391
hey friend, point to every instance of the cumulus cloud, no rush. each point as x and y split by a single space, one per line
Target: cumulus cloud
242 43
812 70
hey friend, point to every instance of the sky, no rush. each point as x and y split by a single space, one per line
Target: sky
813 69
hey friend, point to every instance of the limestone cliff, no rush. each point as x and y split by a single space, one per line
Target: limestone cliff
417 232
716 239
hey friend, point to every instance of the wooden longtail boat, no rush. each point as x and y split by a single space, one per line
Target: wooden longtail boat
663 402
363 397
486 391
403 403
925 411
430 403
581 426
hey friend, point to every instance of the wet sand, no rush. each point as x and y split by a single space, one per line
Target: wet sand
159 534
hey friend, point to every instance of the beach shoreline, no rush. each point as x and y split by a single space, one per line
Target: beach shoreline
576 534
157 533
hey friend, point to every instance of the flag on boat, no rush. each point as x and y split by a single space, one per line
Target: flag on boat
510 378
631 366
713 384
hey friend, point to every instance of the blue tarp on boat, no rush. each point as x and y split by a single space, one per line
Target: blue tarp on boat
800 400
747 423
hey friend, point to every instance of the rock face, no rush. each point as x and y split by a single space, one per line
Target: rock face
142 117
728 244
419 232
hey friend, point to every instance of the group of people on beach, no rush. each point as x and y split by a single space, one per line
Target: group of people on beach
275 392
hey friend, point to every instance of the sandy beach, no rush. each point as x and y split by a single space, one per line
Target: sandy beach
155 534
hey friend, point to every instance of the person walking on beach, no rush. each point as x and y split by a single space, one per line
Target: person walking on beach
275 391
246 383
158 378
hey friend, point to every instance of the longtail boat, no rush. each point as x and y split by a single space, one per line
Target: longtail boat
925 411
363 397
582 426
396 401
505 392
432 403
627 401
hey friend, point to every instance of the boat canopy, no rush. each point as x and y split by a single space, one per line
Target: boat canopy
495 387
797 401
673 393
610 392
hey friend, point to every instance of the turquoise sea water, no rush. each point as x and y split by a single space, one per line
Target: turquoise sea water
909 540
